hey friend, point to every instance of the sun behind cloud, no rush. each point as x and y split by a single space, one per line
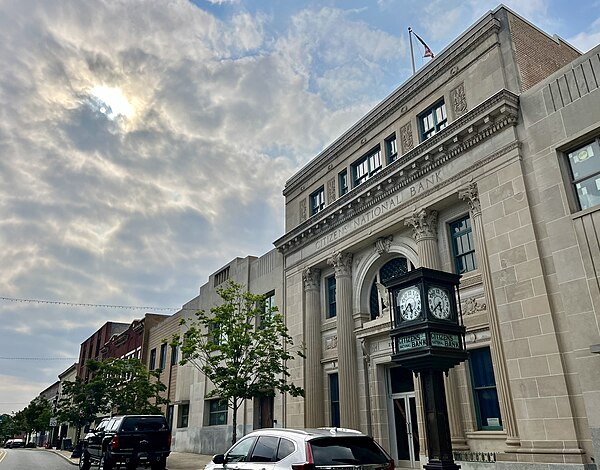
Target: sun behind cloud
112 103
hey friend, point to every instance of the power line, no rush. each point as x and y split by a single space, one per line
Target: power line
76 304
39 358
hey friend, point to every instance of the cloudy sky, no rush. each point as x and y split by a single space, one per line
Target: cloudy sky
145 143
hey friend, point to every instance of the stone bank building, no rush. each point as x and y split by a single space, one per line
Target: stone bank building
485 163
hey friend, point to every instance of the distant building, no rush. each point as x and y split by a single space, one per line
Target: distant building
91 347
66 432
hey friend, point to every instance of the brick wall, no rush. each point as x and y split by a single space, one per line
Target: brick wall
537 54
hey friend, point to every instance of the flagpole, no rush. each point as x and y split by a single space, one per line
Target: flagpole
412 55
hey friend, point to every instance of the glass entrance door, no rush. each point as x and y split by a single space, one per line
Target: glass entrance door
404 433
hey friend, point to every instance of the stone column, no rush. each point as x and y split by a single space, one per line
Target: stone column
424 226
509 422
313 373
347 357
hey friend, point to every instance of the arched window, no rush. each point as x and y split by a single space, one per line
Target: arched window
393 268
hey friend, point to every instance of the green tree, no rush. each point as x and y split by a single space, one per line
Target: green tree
117 386
36 416
242 346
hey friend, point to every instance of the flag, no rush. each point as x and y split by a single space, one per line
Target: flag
428 52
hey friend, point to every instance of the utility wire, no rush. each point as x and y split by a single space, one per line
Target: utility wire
38 358
75 304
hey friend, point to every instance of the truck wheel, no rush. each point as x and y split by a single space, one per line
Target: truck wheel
84 461
106 462
160 465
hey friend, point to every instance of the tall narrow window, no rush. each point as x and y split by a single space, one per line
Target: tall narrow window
483 384
391 149
331 306
152 359
584 163
174 354
433 120
334 399
163 356
366 167
183 413
463 249
343 181
267 307
317 201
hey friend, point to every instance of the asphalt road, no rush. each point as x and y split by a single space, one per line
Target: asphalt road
32 459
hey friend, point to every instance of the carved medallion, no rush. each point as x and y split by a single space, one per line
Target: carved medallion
406 138
303 210
459 100
330 190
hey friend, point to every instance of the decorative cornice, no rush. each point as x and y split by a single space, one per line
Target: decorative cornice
400 98
479 124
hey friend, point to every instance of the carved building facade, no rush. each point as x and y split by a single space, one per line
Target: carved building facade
494 178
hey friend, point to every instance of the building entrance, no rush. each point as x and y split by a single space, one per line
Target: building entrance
404 432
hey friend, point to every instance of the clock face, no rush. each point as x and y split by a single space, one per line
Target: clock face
409 303
439 302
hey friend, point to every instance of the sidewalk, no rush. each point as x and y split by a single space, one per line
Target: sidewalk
175 461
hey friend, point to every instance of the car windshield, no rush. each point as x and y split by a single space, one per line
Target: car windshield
358 450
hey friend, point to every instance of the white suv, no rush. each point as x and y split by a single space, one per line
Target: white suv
303 449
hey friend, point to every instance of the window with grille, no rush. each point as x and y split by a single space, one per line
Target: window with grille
463 249
217 412
393 268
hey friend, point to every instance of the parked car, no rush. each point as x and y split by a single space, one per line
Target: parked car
304 449
127 441
14 443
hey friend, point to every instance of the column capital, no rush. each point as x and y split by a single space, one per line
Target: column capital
471 196
424 224
312 278
342 263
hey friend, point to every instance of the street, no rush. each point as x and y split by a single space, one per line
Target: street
32 459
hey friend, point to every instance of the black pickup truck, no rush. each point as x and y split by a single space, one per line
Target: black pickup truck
127 442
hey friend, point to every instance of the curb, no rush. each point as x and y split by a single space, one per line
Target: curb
68 459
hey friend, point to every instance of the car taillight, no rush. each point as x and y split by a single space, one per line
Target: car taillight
309 464
390 465
114 443
169 441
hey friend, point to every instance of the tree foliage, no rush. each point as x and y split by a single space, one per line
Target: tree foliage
117 386
242 346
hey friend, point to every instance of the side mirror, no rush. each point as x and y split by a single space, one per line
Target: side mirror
218 459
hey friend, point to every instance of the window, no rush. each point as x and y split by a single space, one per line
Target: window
152 359
183 413
317 201
462 245
483 384
241 451
285 448
366 167
215 334
170 412
343 181
391 149
393 268
268 306
163 356
174 353
584 164
334 398
265 449
217 412
433 120
331 308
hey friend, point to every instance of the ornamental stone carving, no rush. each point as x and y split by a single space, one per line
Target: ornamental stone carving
331 342
342 263
424 224
471 306
471 196
303 211
459 100
383 244
406 138
312 278
330 190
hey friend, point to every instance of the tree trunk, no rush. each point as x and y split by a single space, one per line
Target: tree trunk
234 421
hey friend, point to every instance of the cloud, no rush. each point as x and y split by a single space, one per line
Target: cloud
586 40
